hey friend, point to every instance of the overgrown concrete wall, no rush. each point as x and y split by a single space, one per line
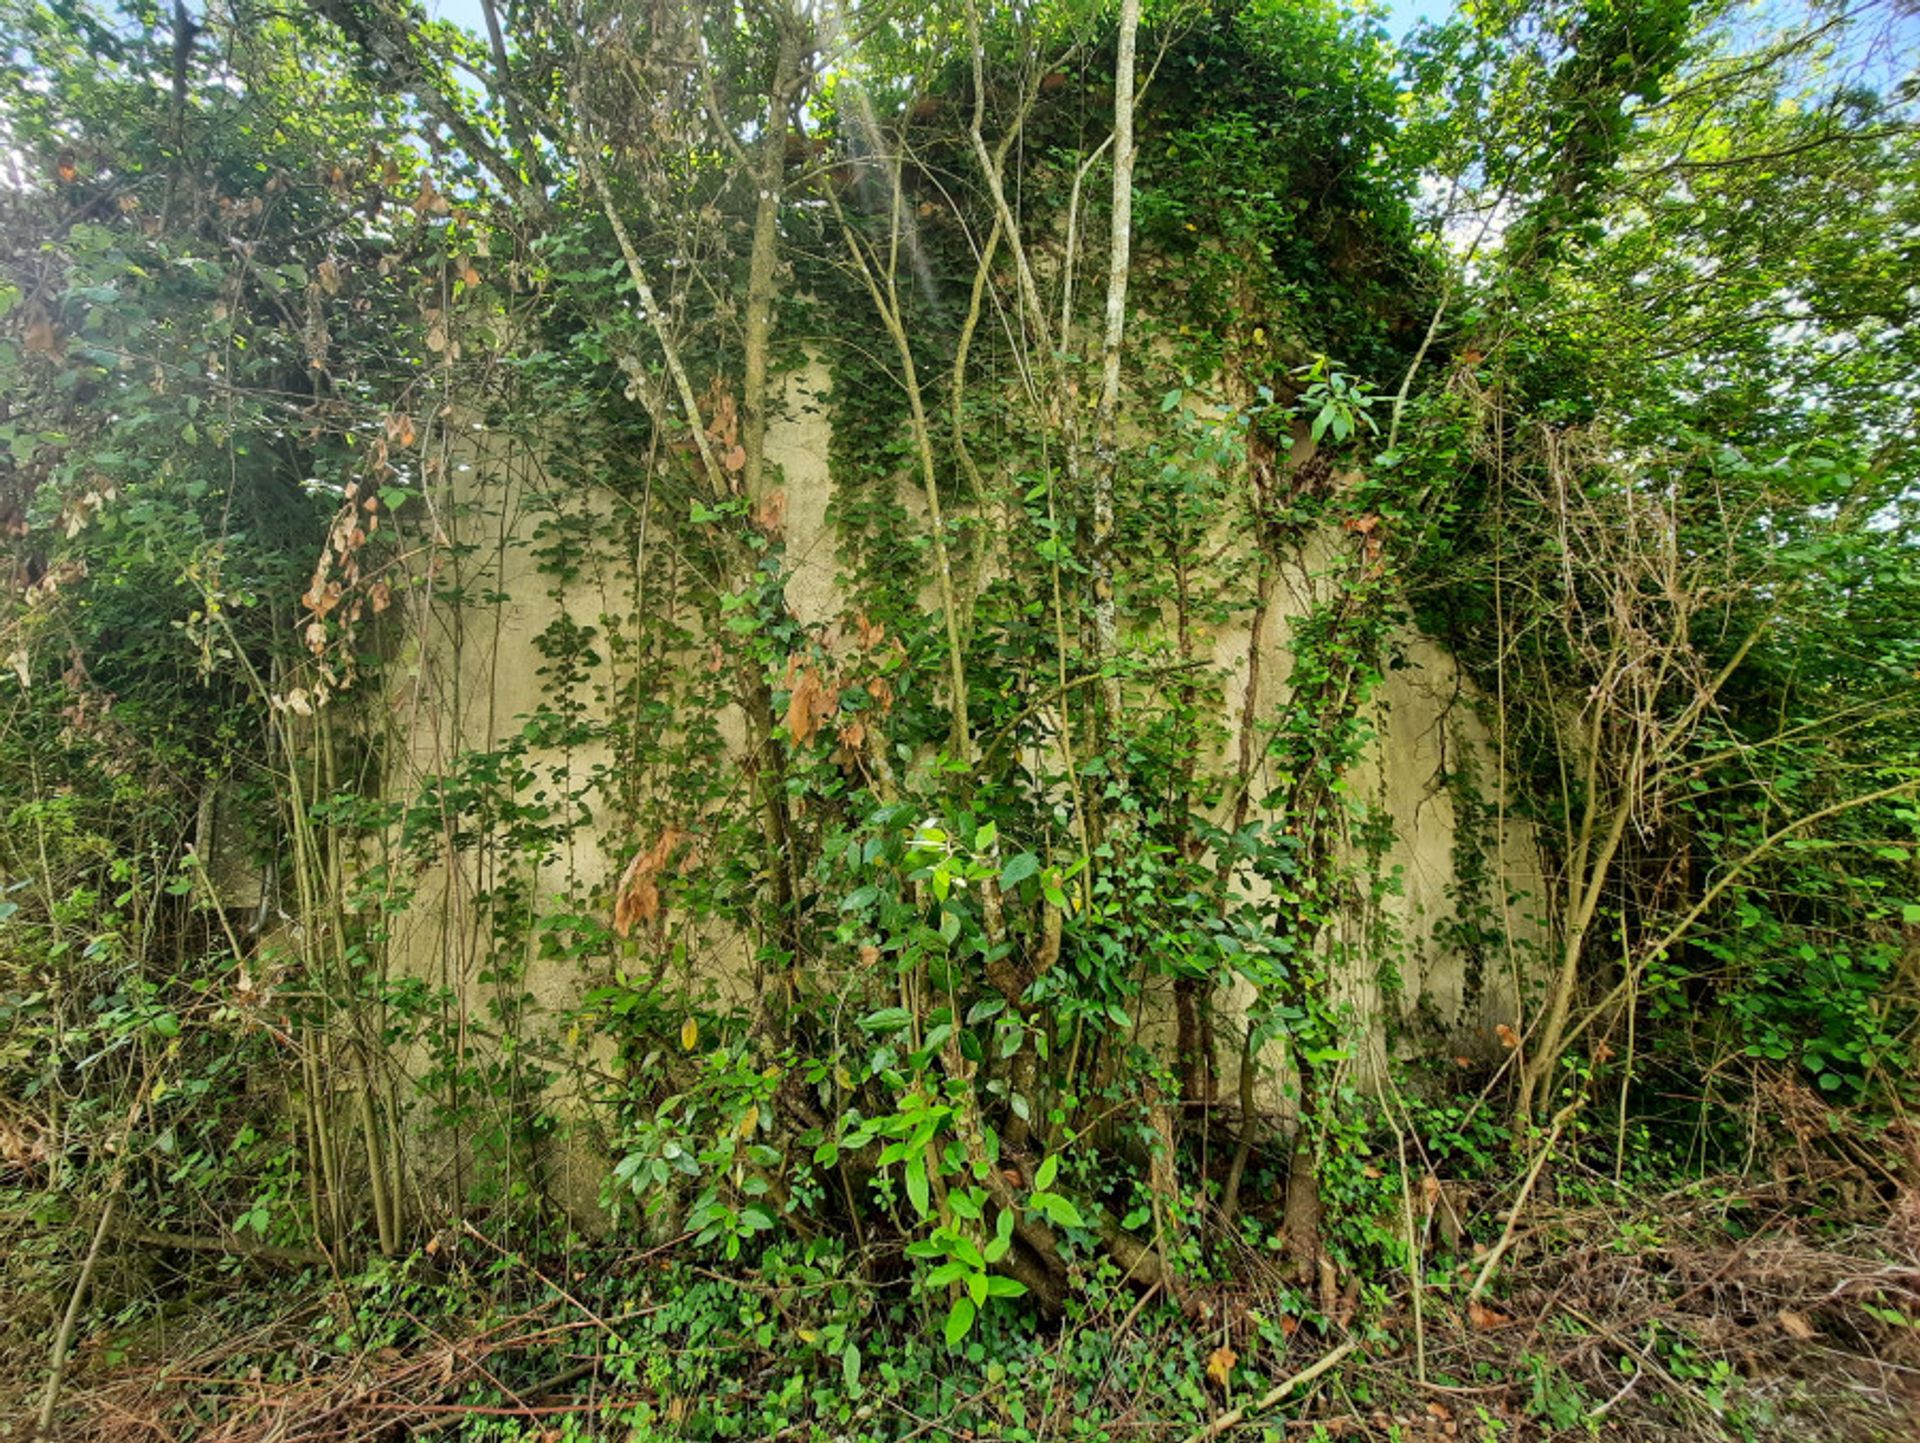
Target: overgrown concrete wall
1453 864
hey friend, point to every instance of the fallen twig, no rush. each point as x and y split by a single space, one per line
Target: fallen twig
1273 1396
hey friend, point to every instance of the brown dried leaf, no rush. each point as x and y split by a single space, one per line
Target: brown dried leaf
430 201
724 428
1220 1364
871 634
1509 1039
1795 1325
771 514
853 736
809 704
638 899
1486 1319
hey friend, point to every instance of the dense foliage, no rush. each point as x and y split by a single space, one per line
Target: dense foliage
933 947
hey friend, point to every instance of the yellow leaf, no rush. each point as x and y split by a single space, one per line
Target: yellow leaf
1220 1364
749 1122
690 1033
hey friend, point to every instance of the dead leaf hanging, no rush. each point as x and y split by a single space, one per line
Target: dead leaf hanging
808 705
638 899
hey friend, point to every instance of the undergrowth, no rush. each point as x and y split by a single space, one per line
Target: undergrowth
1783 1304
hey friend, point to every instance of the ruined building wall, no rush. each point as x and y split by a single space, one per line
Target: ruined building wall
480 667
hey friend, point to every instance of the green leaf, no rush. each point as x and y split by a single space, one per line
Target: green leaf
1047 1171
960 1320
985 1008
917 1184
1057 1210
1018 869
